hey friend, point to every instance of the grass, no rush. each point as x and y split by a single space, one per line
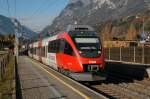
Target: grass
6 86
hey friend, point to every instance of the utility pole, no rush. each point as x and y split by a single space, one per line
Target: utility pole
143 25
143 47
16 43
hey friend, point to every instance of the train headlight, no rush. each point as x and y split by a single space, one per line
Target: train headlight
80 52
99 52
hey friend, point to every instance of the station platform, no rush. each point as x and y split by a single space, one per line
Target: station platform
130 69
38 81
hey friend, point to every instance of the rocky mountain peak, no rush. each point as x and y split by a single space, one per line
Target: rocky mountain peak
93 12
85 2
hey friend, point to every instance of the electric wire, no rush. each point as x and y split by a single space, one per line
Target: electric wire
42 5
8 7
38 11
15 8
41 8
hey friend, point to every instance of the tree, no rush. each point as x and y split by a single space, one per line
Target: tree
106 32
131 33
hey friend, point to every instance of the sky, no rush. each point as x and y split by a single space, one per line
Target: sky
35 14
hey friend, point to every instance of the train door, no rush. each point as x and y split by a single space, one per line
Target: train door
46 54
52 54
68 58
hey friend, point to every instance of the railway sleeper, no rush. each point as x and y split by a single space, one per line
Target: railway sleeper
125 92
136 88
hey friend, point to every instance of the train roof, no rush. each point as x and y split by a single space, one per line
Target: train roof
79 28
69 28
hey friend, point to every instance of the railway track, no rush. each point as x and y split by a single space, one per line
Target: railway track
122 87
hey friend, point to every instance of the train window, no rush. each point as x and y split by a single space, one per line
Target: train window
54 46
46 50
68 49
62 45
34 51
58 42
37 51
50 47
43 51
31 50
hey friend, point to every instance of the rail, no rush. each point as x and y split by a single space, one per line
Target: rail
122 87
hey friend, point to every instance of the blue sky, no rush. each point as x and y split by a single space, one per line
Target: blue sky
35 14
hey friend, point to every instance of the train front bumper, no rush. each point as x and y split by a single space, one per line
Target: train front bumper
88 76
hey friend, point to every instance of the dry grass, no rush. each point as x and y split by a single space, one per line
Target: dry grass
6 86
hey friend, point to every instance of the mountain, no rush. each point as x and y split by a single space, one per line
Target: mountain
29 33
7 27
97 12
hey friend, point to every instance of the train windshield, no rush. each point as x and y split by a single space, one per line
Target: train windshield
88 44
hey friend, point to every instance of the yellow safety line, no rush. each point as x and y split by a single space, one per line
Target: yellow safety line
80 93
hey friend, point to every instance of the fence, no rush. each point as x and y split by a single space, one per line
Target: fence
129 54
4 59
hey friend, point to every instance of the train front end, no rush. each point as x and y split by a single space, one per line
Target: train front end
89 54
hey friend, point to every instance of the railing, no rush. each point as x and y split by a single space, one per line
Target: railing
129 54
4 59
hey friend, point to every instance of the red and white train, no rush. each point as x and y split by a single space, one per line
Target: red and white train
77 52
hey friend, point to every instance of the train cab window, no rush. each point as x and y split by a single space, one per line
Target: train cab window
68 49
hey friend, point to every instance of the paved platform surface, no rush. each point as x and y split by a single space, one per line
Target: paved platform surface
39 82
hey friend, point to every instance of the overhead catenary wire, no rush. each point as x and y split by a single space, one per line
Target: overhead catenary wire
42 5
15 8
45 4
42 8
8 7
